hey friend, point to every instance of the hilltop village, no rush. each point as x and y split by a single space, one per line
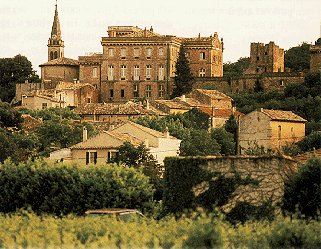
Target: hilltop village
229 142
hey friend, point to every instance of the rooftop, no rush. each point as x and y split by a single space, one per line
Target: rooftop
61 61
282 115
220 113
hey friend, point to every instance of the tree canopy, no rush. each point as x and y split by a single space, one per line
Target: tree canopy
298 58
234 69
183 81
14 70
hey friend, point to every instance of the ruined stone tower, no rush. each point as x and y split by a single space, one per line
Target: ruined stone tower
266 58
55 43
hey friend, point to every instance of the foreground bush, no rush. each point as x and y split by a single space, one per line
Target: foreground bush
62 189
26 230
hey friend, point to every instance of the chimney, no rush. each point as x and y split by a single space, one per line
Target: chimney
261 109
151 29
84 134
146 142
233 110
183 98
147 104
166 132
111 127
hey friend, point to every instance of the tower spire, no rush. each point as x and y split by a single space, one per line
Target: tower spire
55 42
55 31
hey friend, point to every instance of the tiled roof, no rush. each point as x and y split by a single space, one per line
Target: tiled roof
128 108
302 158
282 115
172 103
213 93
220 113
30 122
61 61
71 86
101 141
148 130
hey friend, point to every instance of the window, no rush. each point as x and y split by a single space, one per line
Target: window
91 157
202 55
122 93
55 55
111 93
112 154
148 91
265 53
161 73
44 105
148 53
281 83
136 94
123 53
161 51
148 72
123 72
257 58
110 74
161 91
136 72
95 72
51 55
202 72
110 52
187 55
136 52
88 100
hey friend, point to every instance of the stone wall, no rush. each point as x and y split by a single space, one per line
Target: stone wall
188 180
248 83
24 88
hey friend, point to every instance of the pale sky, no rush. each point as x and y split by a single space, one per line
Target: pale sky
25 25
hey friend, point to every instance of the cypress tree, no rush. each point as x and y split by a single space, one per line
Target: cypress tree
183 81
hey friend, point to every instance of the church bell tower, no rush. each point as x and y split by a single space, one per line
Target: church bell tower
55 43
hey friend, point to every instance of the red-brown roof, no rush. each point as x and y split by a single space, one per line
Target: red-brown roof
282 115
220 113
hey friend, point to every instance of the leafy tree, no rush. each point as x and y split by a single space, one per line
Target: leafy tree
12 71
236 69
303 191
183 81
200 143
195 118
231 126
298 58
310 142
9 117
225 140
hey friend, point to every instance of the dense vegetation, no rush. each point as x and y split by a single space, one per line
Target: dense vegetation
58 129
62 189
235 69
297 58
26 230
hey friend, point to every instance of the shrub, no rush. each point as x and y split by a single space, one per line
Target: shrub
62 189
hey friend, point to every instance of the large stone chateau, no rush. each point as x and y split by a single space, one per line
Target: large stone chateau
134 63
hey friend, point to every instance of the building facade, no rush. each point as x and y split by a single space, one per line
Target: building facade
271 129
265 58
315 59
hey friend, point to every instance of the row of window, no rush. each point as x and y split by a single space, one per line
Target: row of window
137 52
137 72
148 92
91 156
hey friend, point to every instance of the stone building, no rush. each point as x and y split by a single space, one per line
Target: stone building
315 53
265 58
58 68
270 129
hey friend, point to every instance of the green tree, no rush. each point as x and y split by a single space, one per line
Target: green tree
183 80
298 58
9 117
14 70
225 140
303 191
236 69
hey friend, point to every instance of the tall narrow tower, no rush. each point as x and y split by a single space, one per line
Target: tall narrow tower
55 43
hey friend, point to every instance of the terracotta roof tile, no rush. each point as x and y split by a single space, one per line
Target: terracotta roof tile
29 122
213 93
61 61
129 108
282 115
221 113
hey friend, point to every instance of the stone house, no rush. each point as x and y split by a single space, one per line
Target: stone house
103 147
63 95
315 56
220 116
271 129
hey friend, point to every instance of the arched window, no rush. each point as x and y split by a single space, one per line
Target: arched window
51 55
55 55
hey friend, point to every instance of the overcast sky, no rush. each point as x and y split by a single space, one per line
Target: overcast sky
25 25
